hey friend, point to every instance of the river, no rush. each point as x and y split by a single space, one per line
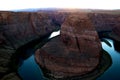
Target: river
29 70
113 73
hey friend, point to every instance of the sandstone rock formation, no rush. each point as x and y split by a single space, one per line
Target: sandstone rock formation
18 28
116 37
58 17
75 52
104 21
32 25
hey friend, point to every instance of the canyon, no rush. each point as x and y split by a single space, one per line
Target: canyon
78 35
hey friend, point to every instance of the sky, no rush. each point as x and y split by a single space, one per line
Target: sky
84 4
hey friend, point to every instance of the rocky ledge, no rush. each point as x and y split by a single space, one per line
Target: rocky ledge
75 52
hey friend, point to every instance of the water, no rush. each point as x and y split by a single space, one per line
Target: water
29 70
113 73
56 33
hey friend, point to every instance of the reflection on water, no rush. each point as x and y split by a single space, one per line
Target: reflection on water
56 33
113 73
29 70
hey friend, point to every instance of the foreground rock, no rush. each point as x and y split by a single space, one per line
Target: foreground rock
75 52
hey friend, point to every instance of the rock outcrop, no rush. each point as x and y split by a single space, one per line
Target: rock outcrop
18 29
75 52
104 21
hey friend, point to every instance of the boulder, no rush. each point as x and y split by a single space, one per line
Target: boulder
75 52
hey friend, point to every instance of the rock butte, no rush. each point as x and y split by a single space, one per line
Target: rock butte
75 52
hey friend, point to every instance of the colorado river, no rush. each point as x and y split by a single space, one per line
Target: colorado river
113 72
29 70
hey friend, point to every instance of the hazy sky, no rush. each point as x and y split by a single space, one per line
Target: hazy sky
94 4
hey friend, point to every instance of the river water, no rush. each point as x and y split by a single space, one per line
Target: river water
29 70
113 73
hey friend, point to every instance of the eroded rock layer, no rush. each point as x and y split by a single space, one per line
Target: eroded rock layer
18 28
75 52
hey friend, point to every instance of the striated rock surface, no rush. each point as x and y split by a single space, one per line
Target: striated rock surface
75 52
77 31
18 28
104 21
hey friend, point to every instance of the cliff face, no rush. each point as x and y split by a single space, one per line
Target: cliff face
19 28
104 21
75 52
78 32
58 17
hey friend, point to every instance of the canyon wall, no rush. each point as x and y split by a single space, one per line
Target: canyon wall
19 28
